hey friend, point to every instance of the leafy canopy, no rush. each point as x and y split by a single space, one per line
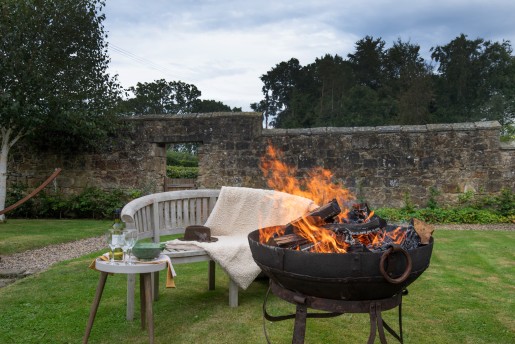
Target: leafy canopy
376 85
54 85
169 97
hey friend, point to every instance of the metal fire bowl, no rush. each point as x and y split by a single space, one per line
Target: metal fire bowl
339 276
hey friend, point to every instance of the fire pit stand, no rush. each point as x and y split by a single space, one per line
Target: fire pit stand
335 308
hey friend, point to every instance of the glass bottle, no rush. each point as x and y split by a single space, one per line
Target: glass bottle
117 229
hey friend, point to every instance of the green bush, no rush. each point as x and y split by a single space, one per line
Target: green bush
471 208
181 172
96 203
185 159
16 192
91 203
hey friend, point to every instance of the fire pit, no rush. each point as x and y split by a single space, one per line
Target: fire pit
341 276
355 272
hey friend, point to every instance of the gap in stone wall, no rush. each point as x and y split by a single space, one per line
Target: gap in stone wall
182 157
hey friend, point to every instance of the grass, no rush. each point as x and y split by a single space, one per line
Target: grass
466 296
18 235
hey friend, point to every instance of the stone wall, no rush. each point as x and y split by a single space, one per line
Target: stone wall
380 164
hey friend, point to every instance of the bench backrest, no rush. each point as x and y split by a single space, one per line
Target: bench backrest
170 212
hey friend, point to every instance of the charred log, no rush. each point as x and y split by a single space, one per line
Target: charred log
372 226
318 217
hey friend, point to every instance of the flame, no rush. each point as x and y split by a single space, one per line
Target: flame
318 185
322 240
265 234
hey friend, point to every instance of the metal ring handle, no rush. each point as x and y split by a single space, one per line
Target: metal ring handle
402 278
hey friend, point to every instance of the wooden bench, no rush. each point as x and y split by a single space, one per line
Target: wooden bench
168 213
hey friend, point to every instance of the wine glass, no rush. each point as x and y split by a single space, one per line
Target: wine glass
112 242
122 243
130 238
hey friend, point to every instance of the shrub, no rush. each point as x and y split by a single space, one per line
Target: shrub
181 172
16 192
90 203
185 159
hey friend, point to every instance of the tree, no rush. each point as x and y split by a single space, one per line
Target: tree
278 87
367 61
475 76
209 105
162 97
334 79
54 85
408 81
169 97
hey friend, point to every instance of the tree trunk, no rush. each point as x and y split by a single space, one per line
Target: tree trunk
7 143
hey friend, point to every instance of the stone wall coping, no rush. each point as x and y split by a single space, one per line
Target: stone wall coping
385 129
507 145
488 125
170 117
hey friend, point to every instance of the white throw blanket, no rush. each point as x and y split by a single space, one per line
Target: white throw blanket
237 212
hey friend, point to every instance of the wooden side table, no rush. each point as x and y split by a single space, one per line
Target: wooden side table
145 271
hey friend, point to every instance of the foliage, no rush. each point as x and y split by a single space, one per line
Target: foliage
376 85
433 193
54 80
471 208
91 203
168 97
94 203
161 97
15 193
470 281
508 133
205 106
182 161
183 158
181 172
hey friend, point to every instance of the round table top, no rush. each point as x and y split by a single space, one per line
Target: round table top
138 267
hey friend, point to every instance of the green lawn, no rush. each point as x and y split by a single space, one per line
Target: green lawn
466 296
21 235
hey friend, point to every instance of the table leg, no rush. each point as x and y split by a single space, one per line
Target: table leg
142 300
147 295
94 306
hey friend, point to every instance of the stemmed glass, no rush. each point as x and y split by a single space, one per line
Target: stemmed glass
130 238
112 241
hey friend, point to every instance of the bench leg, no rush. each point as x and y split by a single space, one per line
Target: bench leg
131 286
233 294
211 277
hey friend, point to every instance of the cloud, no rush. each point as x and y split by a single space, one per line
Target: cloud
223 46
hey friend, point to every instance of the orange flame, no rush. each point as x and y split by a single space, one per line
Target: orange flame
322 240
267 233
317 185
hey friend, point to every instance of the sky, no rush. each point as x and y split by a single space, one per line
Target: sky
223 47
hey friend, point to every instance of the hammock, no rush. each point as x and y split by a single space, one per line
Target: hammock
33 193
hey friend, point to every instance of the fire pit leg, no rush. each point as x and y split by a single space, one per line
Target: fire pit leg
376 324
299 329
373 325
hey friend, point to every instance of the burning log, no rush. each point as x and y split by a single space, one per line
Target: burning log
318 217
371 226
287 241
361 231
